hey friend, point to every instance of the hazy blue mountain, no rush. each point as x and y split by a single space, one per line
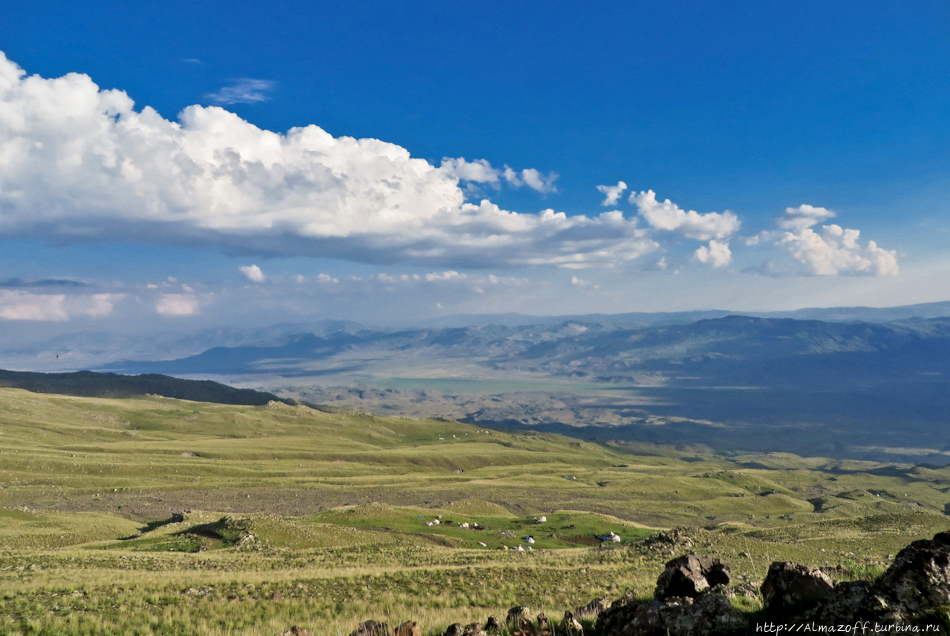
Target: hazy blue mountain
731 351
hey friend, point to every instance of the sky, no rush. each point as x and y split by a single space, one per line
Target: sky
180 165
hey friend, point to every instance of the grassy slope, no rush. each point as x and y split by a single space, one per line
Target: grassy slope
332 504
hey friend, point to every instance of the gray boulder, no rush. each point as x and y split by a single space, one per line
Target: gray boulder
615 618
791 589
689 575
709 614
915 587
843 606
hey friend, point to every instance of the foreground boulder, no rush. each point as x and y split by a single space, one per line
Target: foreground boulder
916 585
492 626
791 589
710 614
689 575
615 618
843 606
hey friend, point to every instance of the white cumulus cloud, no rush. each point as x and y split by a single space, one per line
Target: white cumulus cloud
612 193
543 183
797 219
836 250
253 273
80 164
716 254
831 250
691 224
479 171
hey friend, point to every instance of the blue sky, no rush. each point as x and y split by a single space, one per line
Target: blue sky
785 126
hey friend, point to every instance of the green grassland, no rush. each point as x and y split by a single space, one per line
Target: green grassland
158 516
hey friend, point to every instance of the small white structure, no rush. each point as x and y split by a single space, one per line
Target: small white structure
520 549
465 526
429 523
530 540
615 539
484 545
541 519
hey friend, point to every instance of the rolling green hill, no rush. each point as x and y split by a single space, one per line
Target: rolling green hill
207 518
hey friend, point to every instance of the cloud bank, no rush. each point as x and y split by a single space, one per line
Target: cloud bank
24 305
80 164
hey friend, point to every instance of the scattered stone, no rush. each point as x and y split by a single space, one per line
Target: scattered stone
473 629
593 608
492 626
297 631
669 540
542 621
791 589
372 628
570 626
519 617
409 628
455 629
688 575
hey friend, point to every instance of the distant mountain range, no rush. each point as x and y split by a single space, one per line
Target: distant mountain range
58 349
728 351
847 389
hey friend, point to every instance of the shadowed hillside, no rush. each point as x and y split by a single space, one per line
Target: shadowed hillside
111 385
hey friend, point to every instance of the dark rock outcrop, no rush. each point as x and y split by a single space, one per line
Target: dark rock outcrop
842 607
689 575
791 589
620 614
915 586
710 614
492 626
